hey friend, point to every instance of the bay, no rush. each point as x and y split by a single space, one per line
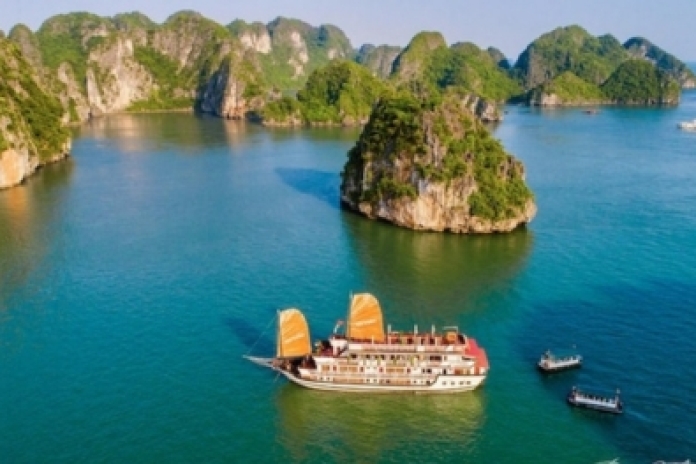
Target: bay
134 276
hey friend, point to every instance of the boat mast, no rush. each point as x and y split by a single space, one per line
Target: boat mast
350 303
279 342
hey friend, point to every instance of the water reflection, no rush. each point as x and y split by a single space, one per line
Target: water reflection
342 427
140 133
27 213
314 134
432 277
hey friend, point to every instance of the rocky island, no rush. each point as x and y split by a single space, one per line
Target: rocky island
433 166
78 66
32 130
570 67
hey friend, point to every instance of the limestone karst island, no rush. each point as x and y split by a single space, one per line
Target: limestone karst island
425 159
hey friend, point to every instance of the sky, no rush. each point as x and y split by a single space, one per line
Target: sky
509 25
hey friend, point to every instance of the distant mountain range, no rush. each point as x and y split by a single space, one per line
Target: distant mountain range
289 72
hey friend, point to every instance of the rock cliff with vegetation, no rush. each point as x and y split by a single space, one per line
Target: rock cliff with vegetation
289 50
568 66
432 165
428 67
379 60
341 93
639 47
288 72
32 132
105 65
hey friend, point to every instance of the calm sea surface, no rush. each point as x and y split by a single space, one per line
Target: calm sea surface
134 276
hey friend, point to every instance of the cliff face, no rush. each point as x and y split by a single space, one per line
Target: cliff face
592 59
103 65
571 49
434 168
31 129
379 60
412 60
639 47
289 50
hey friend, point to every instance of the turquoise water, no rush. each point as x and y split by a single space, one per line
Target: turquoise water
135 276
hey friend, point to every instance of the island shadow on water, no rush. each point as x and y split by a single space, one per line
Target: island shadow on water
428 277
322 185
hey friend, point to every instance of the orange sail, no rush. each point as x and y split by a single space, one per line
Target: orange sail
365 318
293 334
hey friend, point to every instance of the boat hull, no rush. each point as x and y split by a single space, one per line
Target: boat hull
557 368
443 385
612 409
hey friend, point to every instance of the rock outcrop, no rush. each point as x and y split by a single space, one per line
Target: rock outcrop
31 130
639 47
341 93
413 59
434 168
379 60
571 49
289 50
103 65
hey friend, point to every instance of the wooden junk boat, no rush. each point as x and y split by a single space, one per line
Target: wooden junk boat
368 359
586 400
551 362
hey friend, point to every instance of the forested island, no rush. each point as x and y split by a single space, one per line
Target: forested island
427 98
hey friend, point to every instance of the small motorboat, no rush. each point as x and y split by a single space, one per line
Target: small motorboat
587 400
551 362
687 125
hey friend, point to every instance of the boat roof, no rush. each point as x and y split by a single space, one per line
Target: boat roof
475 350
562 352
602 391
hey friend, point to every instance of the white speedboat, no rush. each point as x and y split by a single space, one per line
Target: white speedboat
687 125
369 359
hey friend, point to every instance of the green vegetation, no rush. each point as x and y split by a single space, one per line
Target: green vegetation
639 47
409 64
639 82
572 90
593 59
60 41
133 21
341 92
395 144
34 116
290 61
282 110
471 69
177 83
379 60
170 81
